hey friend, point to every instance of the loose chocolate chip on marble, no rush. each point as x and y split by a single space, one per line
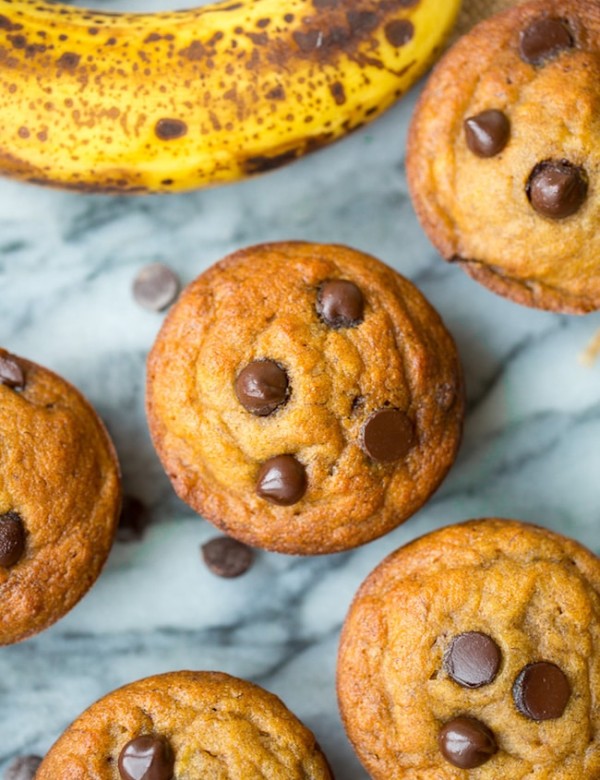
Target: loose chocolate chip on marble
11 373
147 758
12 539
282 480
557 188
388 435
155 287
22 768
544 38
340 304
473 659
133 519
487 133
467 743
226 557
542 691
261 387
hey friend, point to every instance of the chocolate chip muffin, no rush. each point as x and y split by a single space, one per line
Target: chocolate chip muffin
304 398
476 648
59 497
187 725
504 158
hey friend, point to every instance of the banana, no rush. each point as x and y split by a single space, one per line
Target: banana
168 102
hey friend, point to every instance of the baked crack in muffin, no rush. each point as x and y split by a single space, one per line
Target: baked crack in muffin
504 155
187 726
476 647
59 497
304 398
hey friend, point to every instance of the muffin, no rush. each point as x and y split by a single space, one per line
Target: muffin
186 725
59 497
476 647
304 398
504 158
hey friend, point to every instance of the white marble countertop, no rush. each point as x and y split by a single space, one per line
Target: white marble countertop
530 449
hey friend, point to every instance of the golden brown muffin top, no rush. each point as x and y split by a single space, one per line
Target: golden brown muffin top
59 497
360 391
198 725
513 195
492 621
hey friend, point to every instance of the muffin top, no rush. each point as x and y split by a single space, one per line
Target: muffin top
187 725
59 497
305 398
476 647
504 160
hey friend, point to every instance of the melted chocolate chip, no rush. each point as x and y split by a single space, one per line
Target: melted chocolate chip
155 287
542 691
226 557
487 133
473 659
544 38
261 387
12 539
11 373
388 435
557 188
467 743
22 768
282 480
147 758
340 304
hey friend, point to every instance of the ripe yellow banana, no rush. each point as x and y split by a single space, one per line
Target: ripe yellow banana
172 101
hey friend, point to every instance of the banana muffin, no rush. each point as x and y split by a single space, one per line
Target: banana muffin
504 155
476 647
59 497
304 398
187 725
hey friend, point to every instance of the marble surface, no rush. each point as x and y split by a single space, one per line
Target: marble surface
530 449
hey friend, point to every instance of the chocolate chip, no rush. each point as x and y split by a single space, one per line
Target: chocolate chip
557 188
340 304
487 133
542 691
147 758
22 768
133 520
282 480
12 539
467 743
388 435
473 659
261 387
226 557
544 38
11 373
155 287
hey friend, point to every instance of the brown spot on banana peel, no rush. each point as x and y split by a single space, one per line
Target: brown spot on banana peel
170 129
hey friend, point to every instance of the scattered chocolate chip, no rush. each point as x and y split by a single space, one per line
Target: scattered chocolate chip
11 373
557 188
340 304
12 539
261 387
22 768
282 480
226 557
133 520
388 435
541 691
544 38
467 743
155 287
487 133
473 659
147 758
